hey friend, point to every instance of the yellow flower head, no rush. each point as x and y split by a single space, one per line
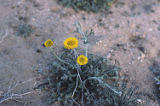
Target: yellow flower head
71 43
48 43
82 60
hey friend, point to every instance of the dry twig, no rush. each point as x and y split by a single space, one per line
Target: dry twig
9 95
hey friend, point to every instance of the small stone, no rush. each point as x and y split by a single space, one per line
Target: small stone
54 9
140 102
139 58
143 56
150 29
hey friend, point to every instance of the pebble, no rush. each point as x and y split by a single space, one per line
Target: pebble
150 29
141 58
54 9
140 102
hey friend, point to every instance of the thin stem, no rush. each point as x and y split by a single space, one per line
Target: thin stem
82 99
15 96
75 87
86 49
59 58
75 53
81 81
4 36
101 82
76 102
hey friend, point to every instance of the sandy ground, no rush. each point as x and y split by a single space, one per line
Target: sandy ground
128 35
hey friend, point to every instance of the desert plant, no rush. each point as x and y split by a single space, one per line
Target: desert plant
24 30
87 5
84 80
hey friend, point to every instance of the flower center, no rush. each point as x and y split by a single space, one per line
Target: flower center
49 43
70 43
82 60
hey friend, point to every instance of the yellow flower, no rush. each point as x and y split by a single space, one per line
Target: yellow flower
82 60
71 43
48 43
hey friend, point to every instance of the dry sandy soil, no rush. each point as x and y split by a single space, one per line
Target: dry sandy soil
128 35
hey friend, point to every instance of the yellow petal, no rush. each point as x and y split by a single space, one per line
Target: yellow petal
82 60
48 43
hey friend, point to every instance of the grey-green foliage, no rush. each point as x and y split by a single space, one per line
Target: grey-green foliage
24 30
99 87
87 5
93 84
155 68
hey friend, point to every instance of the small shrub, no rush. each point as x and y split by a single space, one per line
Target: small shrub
24 30
87 5
91 81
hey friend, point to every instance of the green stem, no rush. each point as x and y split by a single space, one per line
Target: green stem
59 58
101 82
86 50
